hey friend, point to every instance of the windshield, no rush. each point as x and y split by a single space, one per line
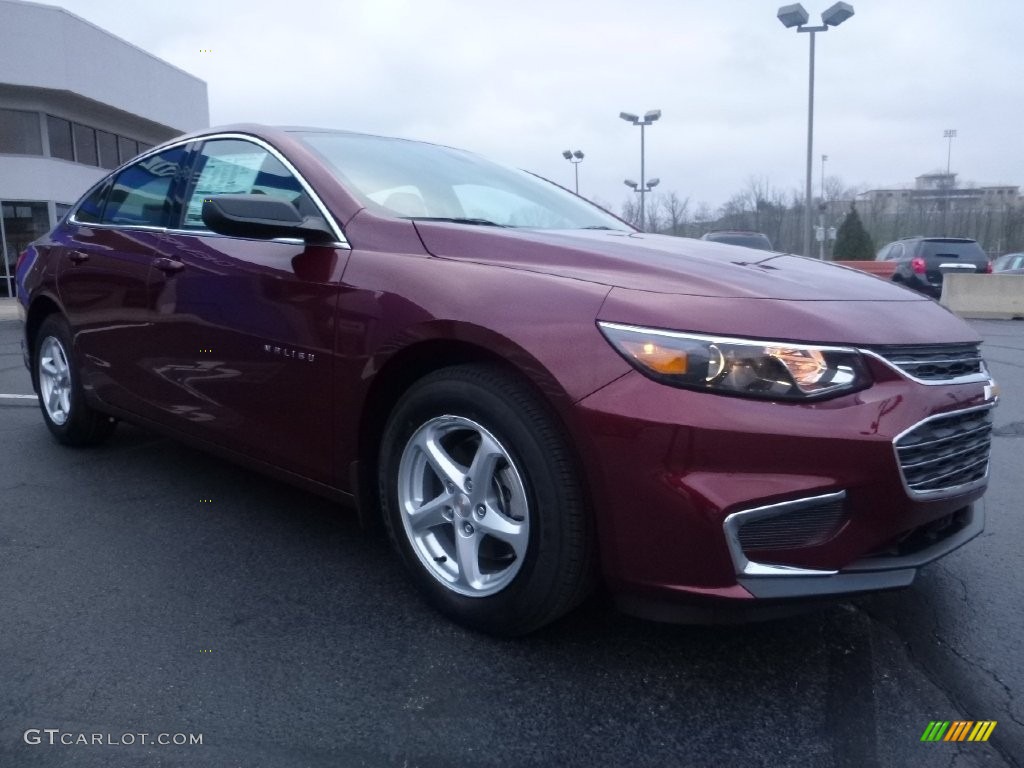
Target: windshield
412 180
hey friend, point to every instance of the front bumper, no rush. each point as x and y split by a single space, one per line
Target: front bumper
669 467
872 573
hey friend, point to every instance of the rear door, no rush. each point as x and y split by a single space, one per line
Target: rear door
109 246
245 328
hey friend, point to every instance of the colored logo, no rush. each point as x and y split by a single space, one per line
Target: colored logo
958 730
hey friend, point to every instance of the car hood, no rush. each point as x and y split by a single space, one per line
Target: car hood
659 263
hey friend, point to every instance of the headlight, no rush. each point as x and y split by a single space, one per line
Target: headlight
765 369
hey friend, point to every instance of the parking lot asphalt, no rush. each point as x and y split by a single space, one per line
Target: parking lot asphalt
148 588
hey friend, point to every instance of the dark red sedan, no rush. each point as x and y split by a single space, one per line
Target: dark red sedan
532 395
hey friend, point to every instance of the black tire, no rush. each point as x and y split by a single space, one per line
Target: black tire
82 425
557 571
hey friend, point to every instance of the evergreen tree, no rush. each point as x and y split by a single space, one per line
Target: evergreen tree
853 243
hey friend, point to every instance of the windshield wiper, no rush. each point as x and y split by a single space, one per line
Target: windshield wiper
601 226
456 220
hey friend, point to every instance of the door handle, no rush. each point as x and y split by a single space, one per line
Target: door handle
170 266
77 257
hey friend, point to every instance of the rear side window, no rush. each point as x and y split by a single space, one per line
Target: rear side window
970 250
141 192
237 167
91 209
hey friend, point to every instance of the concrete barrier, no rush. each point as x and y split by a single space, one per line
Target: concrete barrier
882 269
997 297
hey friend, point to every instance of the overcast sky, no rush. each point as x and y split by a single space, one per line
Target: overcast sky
522 80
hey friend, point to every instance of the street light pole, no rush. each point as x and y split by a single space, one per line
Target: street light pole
810 140
575 158
643 181
821 211
795 16
949 134
649 117
642 189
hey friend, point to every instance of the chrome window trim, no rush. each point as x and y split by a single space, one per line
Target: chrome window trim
967 378
954 490
746 567
340 240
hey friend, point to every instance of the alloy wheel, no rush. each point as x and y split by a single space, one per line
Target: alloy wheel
54 380
463 505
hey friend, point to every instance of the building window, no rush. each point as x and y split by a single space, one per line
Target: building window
106 143
85 144
60 138
126 148
144 147
23 223
61 210
19 132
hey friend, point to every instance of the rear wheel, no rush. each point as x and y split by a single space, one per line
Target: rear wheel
482 501
61 399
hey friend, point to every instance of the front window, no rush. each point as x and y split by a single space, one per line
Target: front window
408 179
237 167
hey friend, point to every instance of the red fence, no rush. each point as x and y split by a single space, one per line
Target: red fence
882 269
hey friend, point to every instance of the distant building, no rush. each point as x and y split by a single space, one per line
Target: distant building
932 191
75 101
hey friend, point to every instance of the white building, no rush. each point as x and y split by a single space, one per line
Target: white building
75 101
932 191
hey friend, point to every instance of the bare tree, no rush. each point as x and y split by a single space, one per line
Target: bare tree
631 211
653 220
675 211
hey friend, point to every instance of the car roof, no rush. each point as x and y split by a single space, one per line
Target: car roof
733 232
269 132
937 239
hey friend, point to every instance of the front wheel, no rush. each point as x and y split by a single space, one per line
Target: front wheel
61 398
483 503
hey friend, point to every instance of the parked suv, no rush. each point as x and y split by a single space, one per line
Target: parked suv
922 261
757 240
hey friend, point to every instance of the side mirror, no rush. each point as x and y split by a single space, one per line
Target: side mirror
262 217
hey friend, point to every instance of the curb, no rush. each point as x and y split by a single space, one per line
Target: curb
9 309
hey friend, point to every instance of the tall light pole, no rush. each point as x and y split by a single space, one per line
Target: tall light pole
949 134
795 16
575 158
642 189
821 211
649 117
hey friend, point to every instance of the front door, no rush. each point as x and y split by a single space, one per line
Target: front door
245 328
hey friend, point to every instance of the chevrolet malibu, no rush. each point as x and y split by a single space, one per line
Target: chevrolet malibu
531 395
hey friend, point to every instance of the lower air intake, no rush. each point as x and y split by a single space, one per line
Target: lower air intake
806 527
